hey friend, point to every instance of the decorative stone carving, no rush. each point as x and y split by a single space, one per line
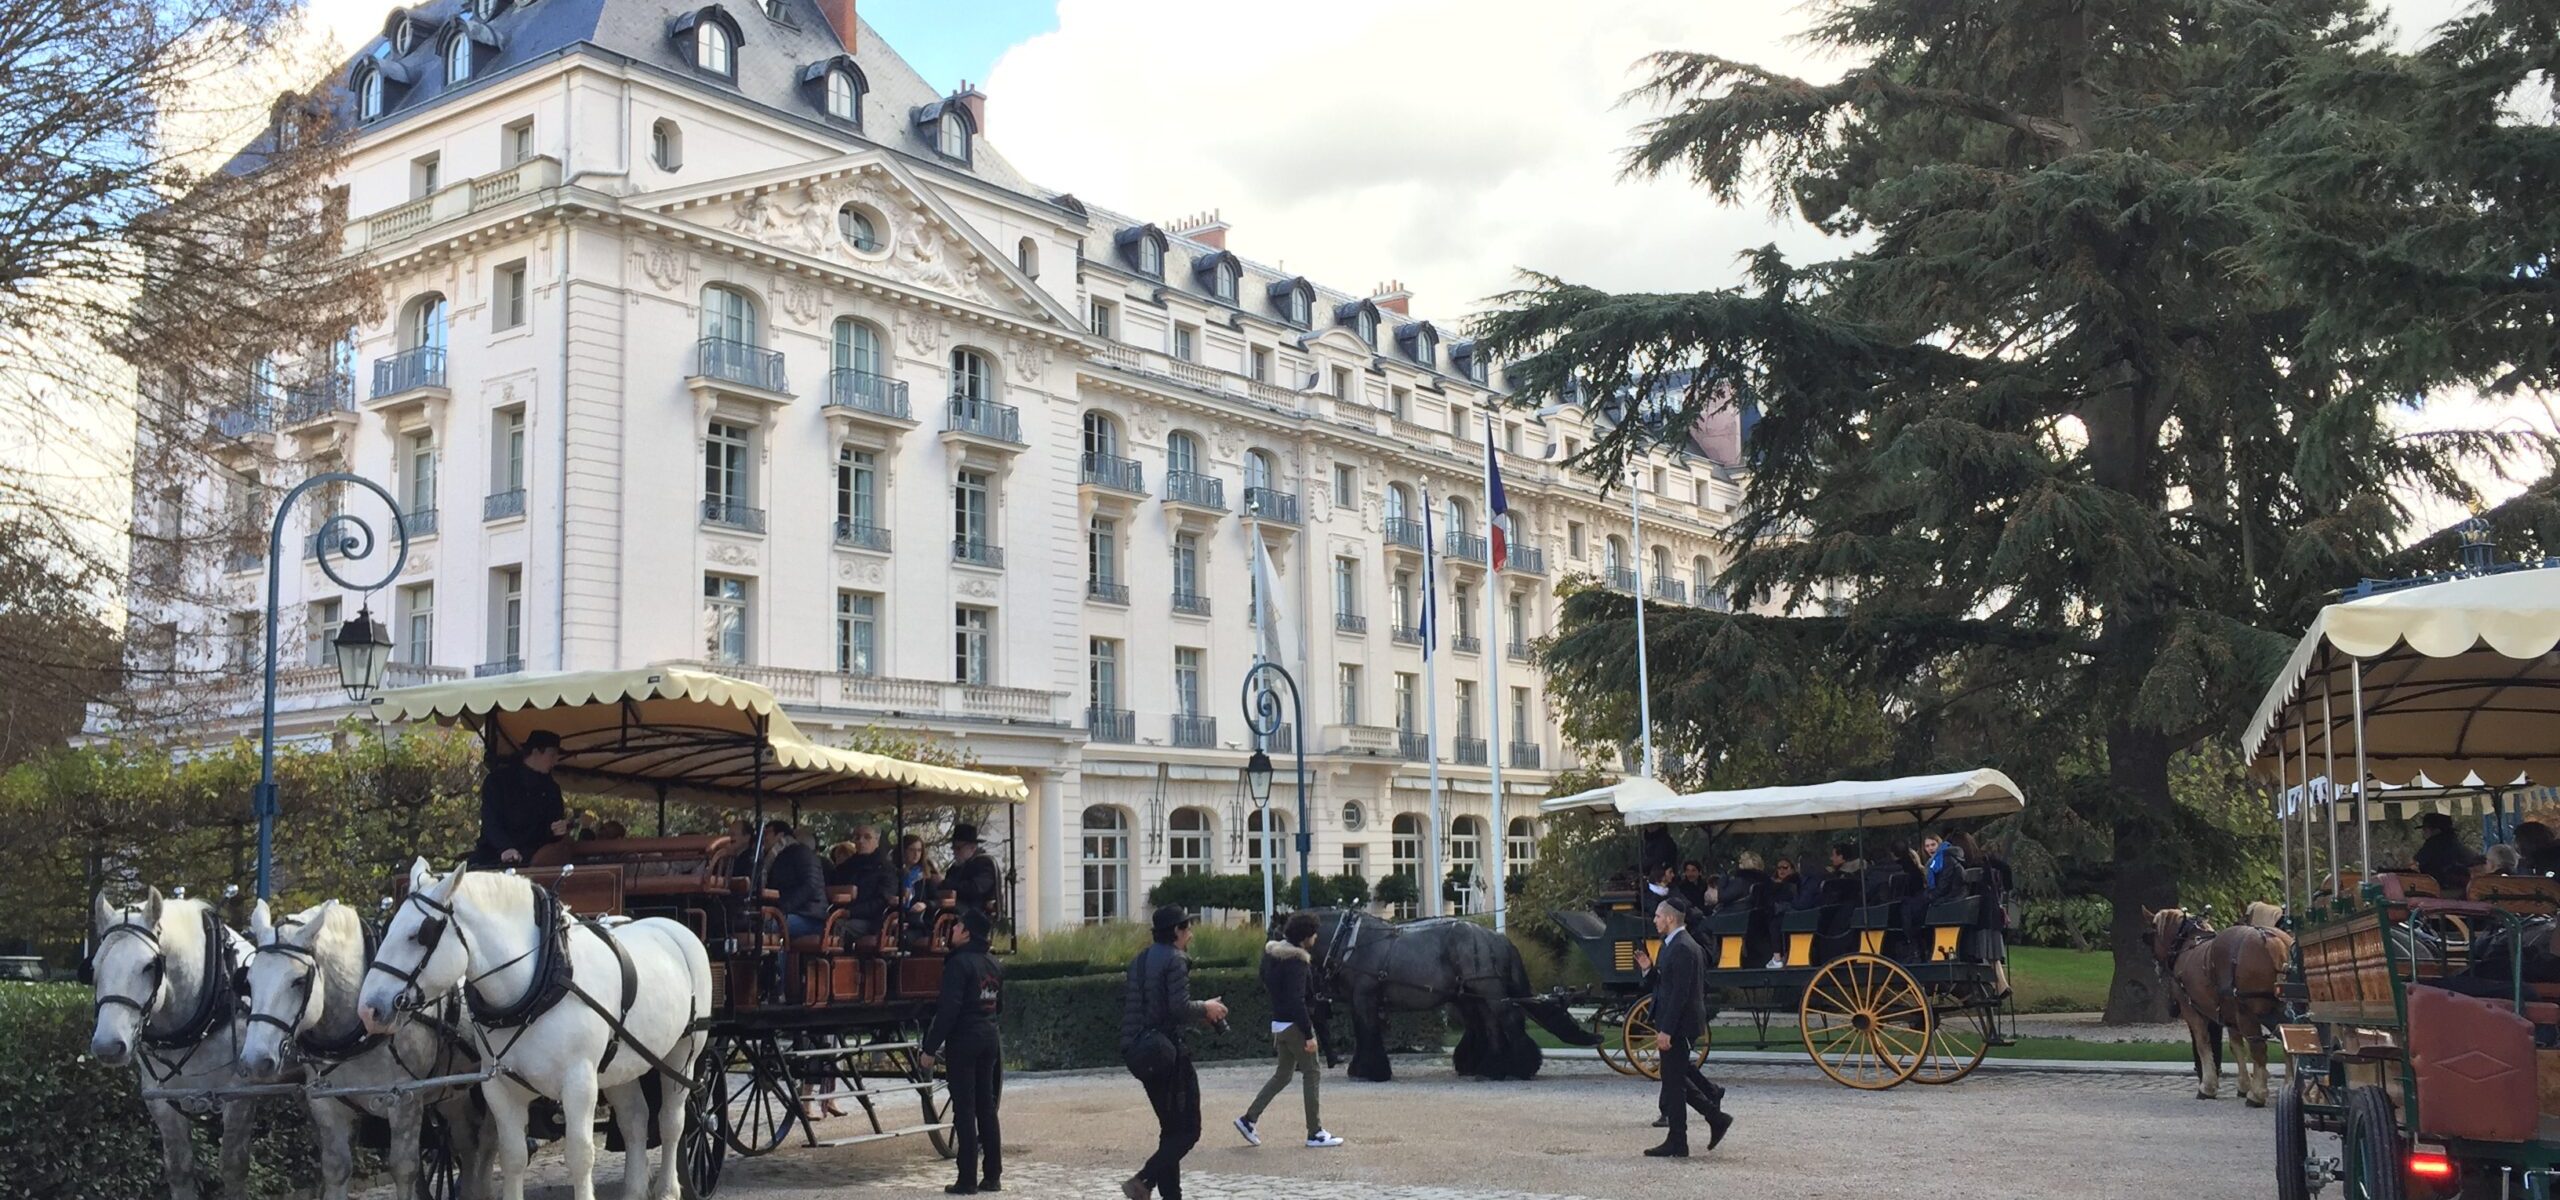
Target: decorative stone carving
730 554
1228 442
860 570
1031 360
1149 425
805 302
420 562
925 335
664 265
931 257
980 589
757 217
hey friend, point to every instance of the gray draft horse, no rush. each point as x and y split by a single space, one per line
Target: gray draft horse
1383 968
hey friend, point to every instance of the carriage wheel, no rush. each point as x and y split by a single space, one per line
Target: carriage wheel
1637 1041
704 1149
936 1111
1865 1022
2372 1142
757 1107
1958 1044
2293 1148
439 1176
1612 1047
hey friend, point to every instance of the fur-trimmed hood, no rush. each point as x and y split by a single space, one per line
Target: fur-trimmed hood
1284 950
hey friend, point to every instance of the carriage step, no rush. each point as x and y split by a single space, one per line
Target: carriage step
841 1051
934 1085
884 1135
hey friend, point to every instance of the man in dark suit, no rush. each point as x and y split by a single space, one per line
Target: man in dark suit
1680 1016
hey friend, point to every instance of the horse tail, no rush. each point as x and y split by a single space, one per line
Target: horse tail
1558 1020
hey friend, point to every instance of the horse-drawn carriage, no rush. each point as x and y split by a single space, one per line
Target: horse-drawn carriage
1871 1010
2422 1029
725 1026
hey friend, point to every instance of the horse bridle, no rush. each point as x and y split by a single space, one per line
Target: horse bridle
310 962
158 968
430 935
1335 947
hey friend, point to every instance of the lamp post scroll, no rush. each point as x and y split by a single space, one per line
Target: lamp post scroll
1262 715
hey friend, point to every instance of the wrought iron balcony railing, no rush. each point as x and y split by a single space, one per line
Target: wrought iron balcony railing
1470 751
729 514
984 418
1525 756
1528 560
1111 725
1412 747
1468 547
1405 635
1351 622
1195 489
1191 604
502 505
1407 532
409 370
742 363
977 552
1467 643
865 391
1195 732
1106 591
1118 474
503 666
1271 505
861 535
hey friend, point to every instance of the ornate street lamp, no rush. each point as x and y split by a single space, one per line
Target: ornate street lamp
1262 715
363 649
1257 780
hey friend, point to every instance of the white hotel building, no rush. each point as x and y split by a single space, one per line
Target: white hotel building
714 334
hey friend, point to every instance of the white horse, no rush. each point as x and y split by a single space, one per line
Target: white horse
499 938
302 1007
161 975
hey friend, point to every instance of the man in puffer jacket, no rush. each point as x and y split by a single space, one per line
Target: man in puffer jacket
1155 1005
1288 974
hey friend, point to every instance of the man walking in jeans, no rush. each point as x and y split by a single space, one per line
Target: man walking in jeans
1155 1005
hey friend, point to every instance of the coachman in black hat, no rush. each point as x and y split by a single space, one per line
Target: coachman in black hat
973 877
520 806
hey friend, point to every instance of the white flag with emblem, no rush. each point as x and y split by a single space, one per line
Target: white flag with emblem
1266 604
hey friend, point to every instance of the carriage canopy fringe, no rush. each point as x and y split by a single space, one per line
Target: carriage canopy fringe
2459 680
697 735
1881 803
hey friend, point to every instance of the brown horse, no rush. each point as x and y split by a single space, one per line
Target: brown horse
2225 980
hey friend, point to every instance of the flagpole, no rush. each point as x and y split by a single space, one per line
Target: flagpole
1644 670
1494 749
1430 712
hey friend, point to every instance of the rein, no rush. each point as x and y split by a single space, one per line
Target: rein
216 994
331 1052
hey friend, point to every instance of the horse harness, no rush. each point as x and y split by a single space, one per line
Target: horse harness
1346 938
217 997
2192 932
554 979
331 1052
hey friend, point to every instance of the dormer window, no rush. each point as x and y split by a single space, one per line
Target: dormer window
709 38
404 34
1219 272
951 134
457 58
1142 247
1295 299
369 95
468 46
836 86
1466 361
1421 341
378 82
1362 317
486 10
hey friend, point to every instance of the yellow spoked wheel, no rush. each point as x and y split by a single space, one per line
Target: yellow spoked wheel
1866 1022
1613 1044
1957 1045
1637 1040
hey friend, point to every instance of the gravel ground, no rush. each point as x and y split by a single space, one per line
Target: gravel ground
1575 1133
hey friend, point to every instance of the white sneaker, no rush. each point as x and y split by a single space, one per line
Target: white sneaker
1776 961
1323 1140
1252 1137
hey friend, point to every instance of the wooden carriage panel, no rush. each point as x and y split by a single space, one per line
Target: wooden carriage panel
2476 1068
917 976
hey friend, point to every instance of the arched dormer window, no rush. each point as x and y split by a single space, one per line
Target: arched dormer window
952 137
1026 255
457 58
486 10
369 94
836 87
401 31
1295 300
1142 247
709 38
1219 272
1362 317
1467 361
1421 341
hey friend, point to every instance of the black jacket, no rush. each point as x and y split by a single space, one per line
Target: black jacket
2443 856
1156 995
972 995
795 874
976 882
1659 851
1679 987
1743 891
1288 976
875 888
517 808
1840 885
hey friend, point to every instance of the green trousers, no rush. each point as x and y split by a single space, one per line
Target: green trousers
1290 1048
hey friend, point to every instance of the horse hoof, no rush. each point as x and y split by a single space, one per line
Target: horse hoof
2254 1102
2204 1095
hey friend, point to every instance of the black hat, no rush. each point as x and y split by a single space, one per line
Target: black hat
964 832
1172 917
978 923
1676 903
541 739
2434 820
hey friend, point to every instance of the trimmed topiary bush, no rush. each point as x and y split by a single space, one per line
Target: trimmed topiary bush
1062 1024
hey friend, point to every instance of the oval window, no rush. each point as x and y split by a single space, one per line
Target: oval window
859 227
1352 816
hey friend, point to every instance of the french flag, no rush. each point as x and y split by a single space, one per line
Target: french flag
1497 507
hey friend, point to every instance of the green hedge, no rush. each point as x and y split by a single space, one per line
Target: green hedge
73 1129
1061 1024
2078 923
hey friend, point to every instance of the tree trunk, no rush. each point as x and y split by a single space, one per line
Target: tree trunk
2145 878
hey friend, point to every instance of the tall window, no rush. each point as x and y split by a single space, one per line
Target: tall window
857 633
724 619
1520 731
1519 614
857 489
727 314
424 328
320 633
1342 383
370 106
419 466
1615 557
1258 472
1222 281
1187 842
1102 672
1459 515
971 645
1462 598
1150 257
1026 255
1520 845
1181 453
506 625
711 49
1702 578
1661 568
844 101
954 136
1186 565
1273 849
1102 551
418 624
1408 704
1258 364
1573 540
972 383
1399 501
457 58
666 145
1102 322
1100 437
1400 403
1404 855
516 141
508 471
1106 864
1466 851
1186 343
969 508
508 304
1186 681
1347 685
1346 484
1368 326
724 465
1346 587
856 347
1466 708
1400 595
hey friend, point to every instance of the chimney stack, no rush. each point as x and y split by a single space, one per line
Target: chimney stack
1207 228
840 16
1392 296
970 98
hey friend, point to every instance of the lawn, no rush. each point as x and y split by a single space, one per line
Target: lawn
2056 981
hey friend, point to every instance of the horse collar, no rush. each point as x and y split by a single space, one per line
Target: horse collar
551 969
